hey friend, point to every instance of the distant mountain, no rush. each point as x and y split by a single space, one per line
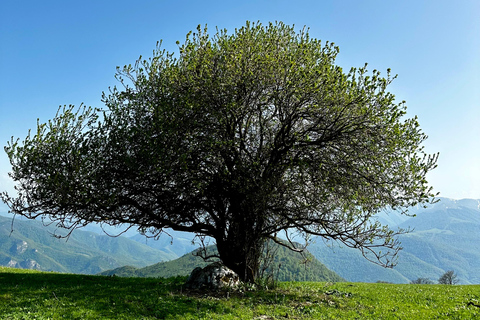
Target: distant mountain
175 243
31 245
445 236
287 266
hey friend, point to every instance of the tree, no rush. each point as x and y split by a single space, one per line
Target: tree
238 137
448 277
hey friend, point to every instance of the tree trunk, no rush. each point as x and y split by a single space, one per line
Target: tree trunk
240 244
242 255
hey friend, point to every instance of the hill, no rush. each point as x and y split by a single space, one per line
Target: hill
31 245
287 266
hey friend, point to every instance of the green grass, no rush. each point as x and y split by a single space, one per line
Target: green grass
33 295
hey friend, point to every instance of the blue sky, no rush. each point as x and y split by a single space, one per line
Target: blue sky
54 53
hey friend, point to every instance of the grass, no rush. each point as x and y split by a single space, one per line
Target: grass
28 294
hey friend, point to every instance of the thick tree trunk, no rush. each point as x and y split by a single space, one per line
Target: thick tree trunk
240 242
242 255
241 250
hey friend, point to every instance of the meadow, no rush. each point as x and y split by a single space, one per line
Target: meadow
26 294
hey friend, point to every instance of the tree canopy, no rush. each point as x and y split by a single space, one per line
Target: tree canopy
238 136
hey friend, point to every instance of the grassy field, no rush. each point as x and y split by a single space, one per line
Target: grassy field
32 295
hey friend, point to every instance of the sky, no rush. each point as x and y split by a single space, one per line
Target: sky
55 53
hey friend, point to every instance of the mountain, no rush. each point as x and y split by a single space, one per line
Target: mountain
445 236
175 243
287 266
32 245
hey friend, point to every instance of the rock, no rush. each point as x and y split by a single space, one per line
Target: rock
12 264
19 247
213 276
30 264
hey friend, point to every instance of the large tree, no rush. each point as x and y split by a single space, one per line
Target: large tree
237 137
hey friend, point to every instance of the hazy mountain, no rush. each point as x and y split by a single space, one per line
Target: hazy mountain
445 236
176 243
31 245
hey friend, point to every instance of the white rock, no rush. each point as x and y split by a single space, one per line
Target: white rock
213 276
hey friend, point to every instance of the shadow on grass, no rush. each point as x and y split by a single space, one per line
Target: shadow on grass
84 296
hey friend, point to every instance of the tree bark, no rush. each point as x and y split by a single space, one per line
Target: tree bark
241 251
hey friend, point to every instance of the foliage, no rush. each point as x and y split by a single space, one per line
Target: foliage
239 137
32 295
449 277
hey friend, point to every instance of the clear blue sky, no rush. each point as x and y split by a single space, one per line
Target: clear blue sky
65 52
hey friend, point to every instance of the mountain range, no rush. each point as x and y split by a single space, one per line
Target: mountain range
444 236
30 244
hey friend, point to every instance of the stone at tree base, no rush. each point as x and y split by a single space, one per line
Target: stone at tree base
214 276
